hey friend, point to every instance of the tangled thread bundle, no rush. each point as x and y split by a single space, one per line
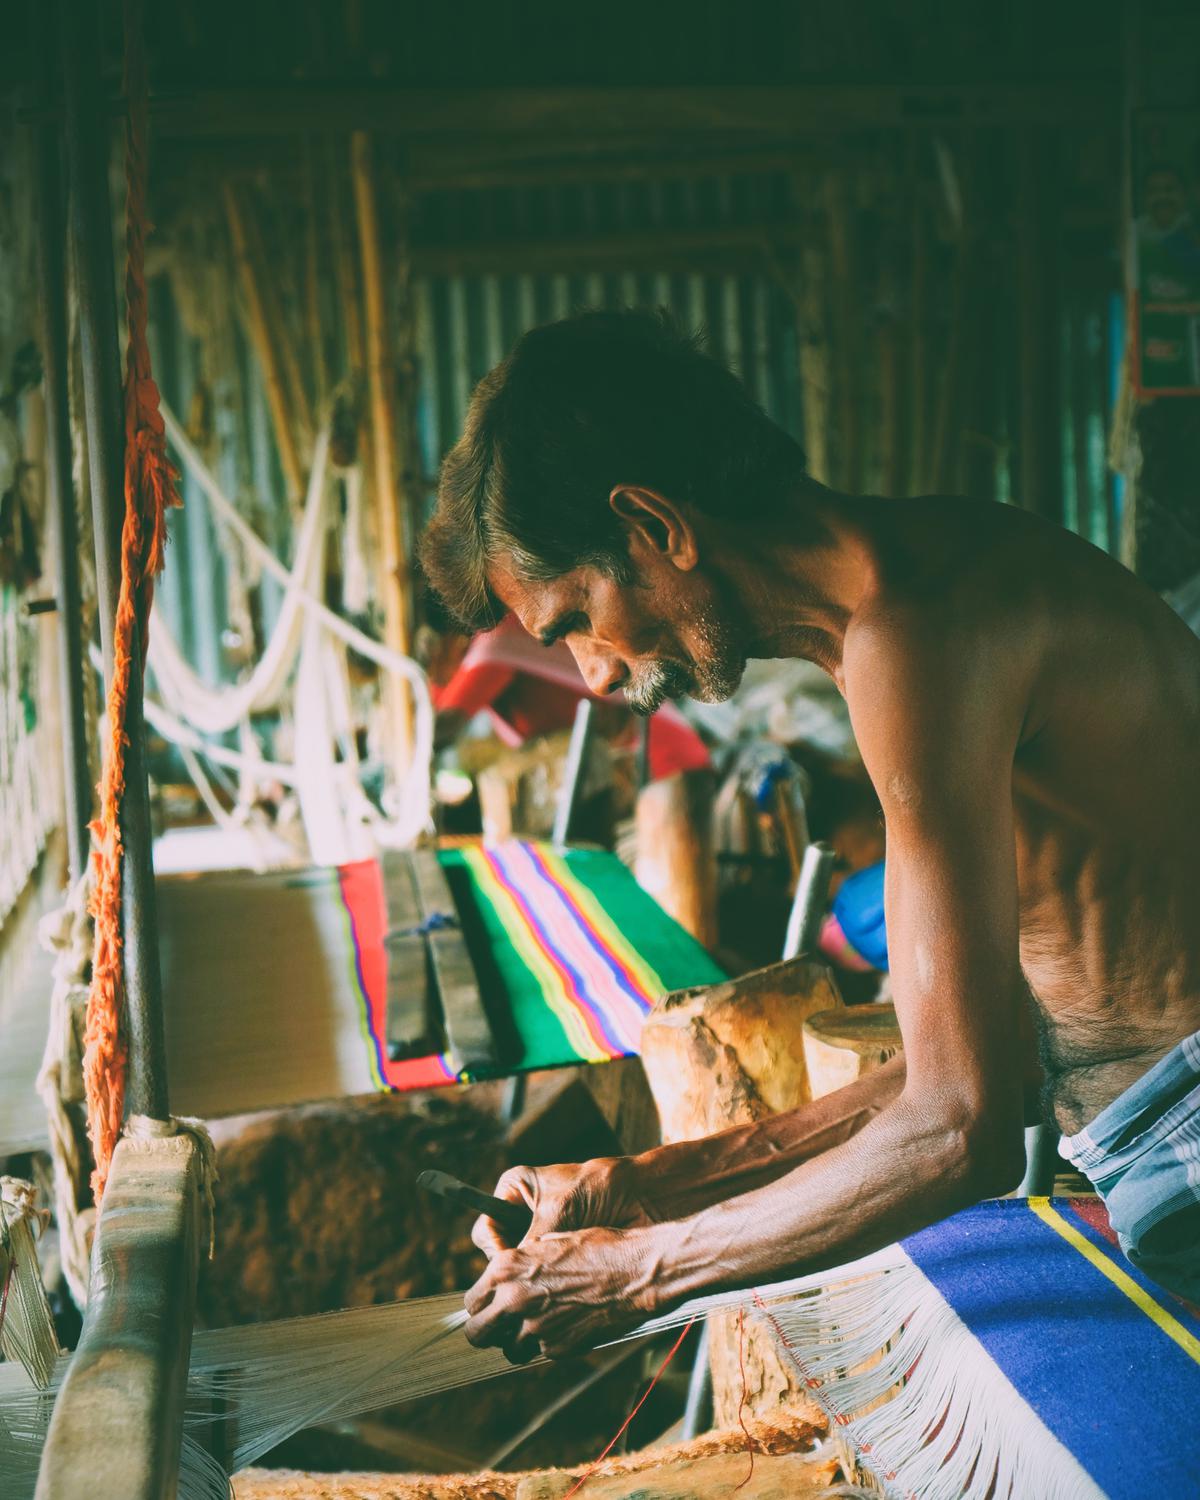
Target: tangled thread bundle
150 490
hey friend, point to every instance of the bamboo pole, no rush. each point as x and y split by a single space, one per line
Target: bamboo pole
258 329
314 326
385 445
272 274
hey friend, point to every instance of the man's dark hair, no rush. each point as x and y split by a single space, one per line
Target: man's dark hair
579 407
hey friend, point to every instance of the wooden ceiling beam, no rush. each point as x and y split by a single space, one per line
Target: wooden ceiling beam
597 113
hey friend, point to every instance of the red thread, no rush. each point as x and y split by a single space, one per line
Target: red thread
744 1396
588 1472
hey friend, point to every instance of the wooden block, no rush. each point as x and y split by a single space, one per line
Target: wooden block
728 1054
469 1039
841 1045
409 1021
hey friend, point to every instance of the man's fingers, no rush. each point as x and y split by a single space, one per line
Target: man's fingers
522 1349
478 1296
488 1236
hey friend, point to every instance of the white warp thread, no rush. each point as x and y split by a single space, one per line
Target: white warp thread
948 1425
27 1333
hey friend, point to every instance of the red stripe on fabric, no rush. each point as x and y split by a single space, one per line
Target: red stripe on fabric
1094 1213
366 903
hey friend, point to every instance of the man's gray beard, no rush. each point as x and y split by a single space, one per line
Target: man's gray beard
651 684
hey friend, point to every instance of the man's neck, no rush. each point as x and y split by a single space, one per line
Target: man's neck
802 575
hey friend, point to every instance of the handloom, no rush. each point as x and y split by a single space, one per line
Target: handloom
568 952
1005 1354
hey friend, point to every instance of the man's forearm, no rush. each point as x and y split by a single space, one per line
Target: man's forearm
901 1171
680 1179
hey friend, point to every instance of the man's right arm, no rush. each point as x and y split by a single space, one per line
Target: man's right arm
673 1181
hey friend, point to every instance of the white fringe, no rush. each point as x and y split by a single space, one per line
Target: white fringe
945 1423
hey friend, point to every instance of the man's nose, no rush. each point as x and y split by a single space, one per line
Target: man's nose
603 672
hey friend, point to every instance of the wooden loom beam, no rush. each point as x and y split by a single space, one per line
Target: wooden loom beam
117 1427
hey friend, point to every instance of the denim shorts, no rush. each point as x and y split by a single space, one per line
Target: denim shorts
1142 1155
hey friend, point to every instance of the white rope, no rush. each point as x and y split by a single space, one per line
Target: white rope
412 817
173 728
217 710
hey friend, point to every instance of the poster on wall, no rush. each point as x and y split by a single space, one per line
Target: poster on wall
1165 253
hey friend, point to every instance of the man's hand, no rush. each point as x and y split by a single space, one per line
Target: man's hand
593 1194
561 1294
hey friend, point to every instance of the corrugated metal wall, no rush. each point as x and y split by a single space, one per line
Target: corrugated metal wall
466 324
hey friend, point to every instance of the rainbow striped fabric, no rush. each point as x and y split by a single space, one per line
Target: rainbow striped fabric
570 953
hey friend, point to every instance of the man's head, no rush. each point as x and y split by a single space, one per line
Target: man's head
599 463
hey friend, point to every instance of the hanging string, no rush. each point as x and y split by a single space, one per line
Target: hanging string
620 1432
744 1397
150 489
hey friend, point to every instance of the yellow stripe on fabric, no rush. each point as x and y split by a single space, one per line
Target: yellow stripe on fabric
533 956
1142 1299
644 976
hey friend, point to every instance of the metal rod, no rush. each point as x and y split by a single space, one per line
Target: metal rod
572 772
1041 1158
698 1411
87 135
63 524
808 907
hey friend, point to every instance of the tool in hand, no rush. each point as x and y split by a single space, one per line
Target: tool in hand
513 1218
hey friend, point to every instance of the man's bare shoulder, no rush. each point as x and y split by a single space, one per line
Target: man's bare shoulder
938 680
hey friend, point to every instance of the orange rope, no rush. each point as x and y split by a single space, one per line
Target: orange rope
150 488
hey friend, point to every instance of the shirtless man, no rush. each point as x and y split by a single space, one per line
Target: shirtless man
1029 714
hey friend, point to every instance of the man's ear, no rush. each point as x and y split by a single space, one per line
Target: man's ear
658 524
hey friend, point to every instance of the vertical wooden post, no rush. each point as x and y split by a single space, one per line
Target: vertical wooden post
258 327
117 1427
87 141
676 859
63 524
385 443
314 325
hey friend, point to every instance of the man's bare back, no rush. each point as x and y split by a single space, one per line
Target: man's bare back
1106 784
